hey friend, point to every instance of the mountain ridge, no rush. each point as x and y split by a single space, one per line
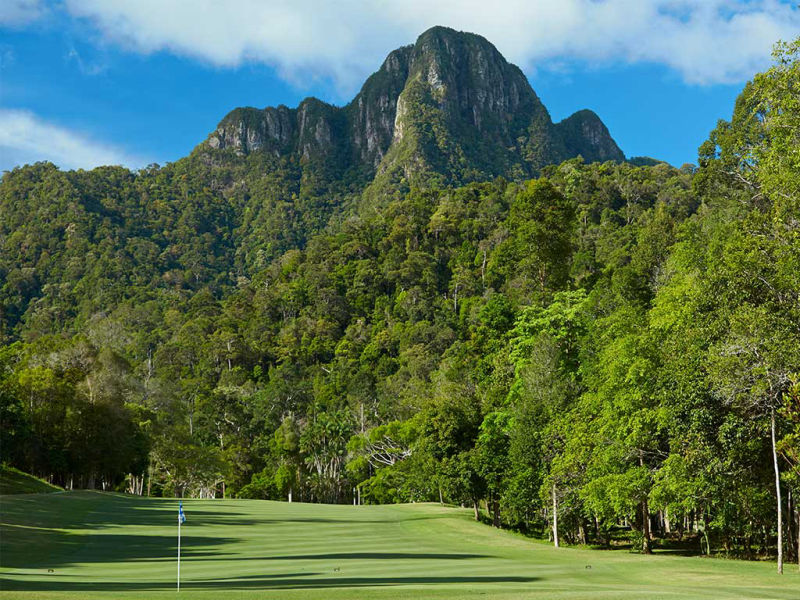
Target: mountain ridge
449 104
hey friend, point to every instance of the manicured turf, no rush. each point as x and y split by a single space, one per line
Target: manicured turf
95 545
14 481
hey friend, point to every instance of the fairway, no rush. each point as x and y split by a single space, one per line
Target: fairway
91 544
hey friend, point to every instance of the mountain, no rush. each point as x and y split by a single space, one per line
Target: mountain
448 106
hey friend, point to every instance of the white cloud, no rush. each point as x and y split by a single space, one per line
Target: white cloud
705 41
20 12
25 138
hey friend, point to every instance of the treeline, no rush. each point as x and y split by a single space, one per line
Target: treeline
607 346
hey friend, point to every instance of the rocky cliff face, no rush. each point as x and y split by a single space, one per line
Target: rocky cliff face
450 105
372 113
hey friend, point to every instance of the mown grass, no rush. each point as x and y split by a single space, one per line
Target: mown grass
14 481
96 545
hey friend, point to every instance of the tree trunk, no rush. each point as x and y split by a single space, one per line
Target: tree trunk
645 519
555 517
596 525
646 528
777 491
789 527
475 507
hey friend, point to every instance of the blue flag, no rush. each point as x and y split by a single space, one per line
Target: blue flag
181 516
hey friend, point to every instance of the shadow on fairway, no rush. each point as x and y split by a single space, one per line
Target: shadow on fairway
62 548
196 556
378 556
266 582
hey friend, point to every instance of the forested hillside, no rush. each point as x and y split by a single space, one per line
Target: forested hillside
425 312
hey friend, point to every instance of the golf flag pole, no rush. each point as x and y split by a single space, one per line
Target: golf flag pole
181 519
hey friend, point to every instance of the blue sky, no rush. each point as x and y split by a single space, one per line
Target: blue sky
88 82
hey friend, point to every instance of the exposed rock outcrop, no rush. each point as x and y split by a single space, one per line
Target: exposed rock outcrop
449 104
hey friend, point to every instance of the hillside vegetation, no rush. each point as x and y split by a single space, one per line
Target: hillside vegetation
14 481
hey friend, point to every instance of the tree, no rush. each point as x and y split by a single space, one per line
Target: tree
545 343
752 368
540 225
287 442
448 429
757 152
491 454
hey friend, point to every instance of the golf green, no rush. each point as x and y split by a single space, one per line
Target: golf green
99 545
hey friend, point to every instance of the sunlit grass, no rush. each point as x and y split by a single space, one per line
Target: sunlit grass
14 481
93 545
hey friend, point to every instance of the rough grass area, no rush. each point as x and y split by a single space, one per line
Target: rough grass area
14 481
97 545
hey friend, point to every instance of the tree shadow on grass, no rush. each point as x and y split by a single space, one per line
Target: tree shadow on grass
204 556
287 581
55 549
378 556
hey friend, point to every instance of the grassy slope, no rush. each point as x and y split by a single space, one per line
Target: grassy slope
105 545
14 481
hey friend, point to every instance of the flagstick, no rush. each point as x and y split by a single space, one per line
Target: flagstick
179 552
